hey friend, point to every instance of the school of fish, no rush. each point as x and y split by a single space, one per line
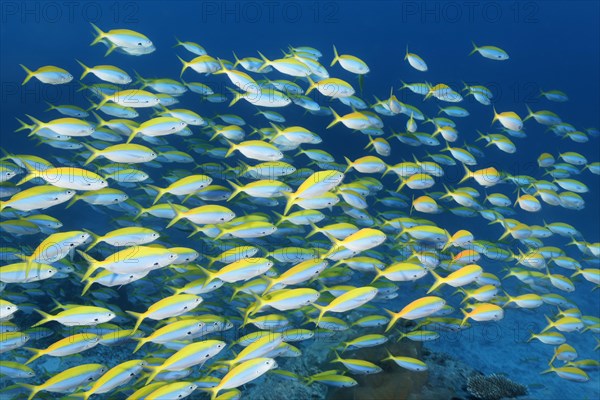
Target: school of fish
286 242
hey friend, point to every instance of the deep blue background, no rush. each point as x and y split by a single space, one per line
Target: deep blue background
552 44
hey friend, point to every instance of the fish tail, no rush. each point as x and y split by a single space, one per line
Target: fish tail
311 85
378 274
237 60
245 167
210 276
393 320
336 57
315 230
495 115
24 125
349 162
236 190
100 122
99 35
131 136
466 317
50 106
289 203
223 69
86 69
178 214
322 311
33 390
154 371
361 82
236 96
336 119
45 318
468 174
401 185
481 136
388 168
266 62
92 267
198 229
27 178
93 105
92 157
36 354
505 234
87 286
95 239
141 342
232 147
139 318
160 193
38 124
412 205
82 87
140 80
551 369
103 101
184 67
550 324
72 201
529 113
390 356
270 284
438 281
213 137
280 218
30 74
475 48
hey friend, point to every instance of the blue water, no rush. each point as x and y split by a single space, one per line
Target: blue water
552 45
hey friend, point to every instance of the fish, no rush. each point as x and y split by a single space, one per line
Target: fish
491 52
419 308
412 364
415 61
242 374
76 316
190 355
68 379
168 307
48 74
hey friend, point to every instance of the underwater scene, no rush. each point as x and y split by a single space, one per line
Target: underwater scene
300 200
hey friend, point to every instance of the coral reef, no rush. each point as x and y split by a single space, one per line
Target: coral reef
494 387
